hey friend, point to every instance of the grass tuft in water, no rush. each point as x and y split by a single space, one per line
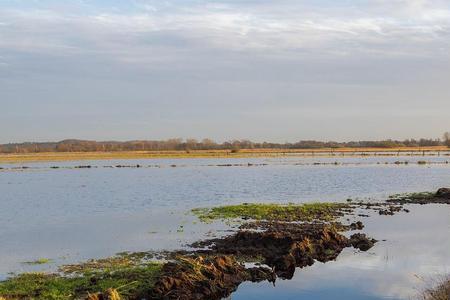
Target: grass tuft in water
40 261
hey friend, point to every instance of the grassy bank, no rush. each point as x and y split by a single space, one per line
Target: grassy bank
69 156
120 275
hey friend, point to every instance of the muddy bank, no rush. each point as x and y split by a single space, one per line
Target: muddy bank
285 246
396 203
442 196
214 271
212 277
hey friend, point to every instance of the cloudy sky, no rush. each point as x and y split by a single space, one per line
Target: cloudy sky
279 70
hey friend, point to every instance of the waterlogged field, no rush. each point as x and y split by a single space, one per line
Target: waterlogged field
57 213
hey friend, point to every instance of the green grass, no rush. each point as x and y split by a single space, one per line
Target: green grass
41 286
412 196
40 261
272 212
128 280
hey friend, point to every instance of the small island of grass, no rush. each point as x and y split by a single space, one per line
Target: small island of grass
286 212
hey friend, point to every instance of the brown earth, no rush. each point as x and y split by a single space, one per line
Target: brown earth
214 272
442 196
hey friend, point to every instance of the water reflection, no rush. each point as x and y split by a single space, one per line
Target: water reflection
415 251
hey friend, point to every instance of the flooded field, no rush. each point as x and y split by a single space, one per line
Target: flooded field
71 211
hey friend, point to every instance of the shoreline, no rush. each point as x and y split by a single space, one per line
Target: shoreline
243 153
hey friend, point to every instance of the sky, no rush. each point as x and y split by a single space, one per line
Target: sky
279 70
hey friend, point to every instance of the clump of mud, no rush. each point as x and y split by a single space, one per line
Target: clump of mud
442 196
283 246
205 278
216 269
361 241
356 225
390 210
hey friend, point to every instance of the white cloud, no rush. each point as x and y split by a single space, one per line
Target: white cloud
416 29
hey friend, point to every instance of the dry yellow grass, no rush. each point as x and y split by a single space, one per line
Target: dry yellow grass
440 292
71 156
110 294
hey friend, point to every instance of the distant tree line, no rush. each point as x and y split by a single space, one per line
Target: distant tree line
206 144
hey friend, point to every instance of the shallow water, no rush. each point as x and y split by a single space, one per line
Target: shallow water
69 214
413 256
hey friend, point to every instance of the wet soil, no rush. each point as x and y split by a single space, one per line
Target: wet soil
205 278
442 196
216 268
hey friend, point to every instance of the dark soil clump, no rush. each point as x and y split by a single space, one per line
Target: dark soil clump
357 226
442 196
283 247
214 272
361 241
205 278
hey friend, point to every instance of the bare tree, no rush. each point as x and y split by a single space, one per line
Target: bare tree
447 139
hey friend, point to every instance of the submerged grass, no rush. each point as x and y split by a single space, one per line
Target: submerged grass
124 278
272 212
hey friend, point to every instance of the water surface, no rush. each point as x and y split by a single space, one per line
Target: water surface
69 214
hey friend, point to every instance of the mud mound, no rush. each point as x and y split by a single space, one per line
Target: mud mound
205 278
442 196
286 245
213 271
361 241
443 193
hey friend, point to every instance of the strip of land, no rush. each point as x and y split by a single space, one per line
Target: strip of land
242 153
